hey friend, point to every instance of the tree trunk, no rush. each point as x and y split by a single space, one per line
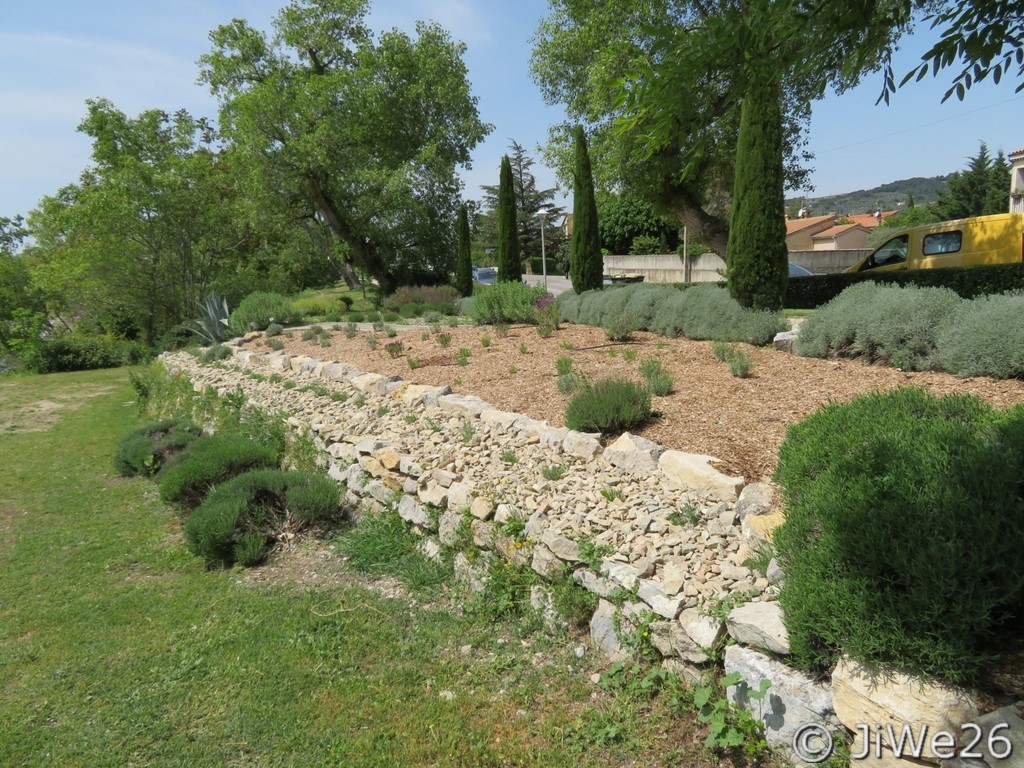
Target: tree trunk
363 252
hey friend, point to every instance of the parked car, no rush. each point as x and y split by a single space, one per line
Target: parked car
795 270
485 275
997 239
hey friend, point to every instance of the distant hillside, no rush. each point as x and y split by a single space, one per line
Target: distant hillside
888 197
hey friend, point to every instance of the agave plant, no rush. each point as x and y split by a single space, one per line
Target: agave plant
212 323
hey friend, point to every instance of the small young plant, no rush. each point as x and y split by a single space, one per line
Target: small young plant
688 515
468 433
394 349
501 330
730 727
509 457
274 329
629 355
567 345
275 344
723 351
308 335
290 384
339 397
383 410
275 378
390 332
360 401
563 366
425 336
741 366
553 472
351 330
613 494
523 350
411 418
414 363
371 342
485 341
325 341
432 425
445 339
512 371
544 330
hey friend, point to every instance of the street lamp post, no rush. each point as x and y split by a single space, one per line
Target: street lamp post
542 215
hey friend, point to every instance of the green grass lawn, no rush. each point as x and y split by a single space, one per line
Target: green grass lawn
331 298
117 648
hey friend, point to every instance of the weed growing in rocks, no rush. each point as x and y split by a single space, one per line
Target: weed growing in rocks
509 457
687 516
468 433
553 472
613 494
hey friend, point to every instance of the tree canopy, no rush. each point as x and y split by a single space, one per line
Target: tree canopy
368 131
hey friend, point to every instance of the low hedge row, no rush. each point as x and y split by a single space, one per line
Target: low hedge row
701 311
80 352
210 461
145 451
967 282
916 328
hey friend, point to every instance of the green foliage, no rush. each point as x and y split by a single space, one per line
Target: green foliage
586 263
356 317
620 327
386 187
728 727
394 349
623 218
274 329
463 254
241 518
967 282
382 543
757 256
701 311
215 353
553 472
980 190
212 323
723 351
485 341
899 326
144 451
503 303
659 382
984 337
445 339
510 267
506 591
645 244
609 405
563 366
77 352
866 485
687 516
509 457
740 365
209 461
258 310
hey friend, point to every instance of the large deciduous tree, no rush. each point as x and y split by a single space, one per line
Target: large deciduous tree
510 264
586 264
147 231
369 131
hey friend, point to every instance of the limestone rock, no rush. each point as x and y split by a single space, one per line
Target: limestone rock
783 340
459 496
865 693
553 437
602 632
756 530
651 593
633 454
755 499
561 547
463 405
591 582
774 572
792 699
759 625
473 575
691 471
434 494
345 453
481 508
621 574
581 445
1008 723
448 527
673 575
422 394
545 562
672 641
370 384
413 512
503 419
705 631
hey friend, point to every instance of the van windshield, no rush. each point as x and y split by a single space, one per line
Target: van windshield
893 252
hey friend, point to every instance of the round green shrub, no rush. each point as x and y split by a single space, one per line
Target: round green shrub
609 405
356 317
258 310
904 534
410 311
146 450
209 461
985 337
241 518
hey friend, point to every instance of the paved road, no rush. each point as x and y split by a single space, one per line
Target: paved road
556 283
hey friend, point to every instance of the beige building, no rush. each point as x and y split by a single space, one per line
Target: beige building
1016 159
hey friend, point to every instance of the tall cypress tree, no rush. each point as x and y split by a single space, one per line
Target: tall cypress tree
586 264
510 267
758 269
463 256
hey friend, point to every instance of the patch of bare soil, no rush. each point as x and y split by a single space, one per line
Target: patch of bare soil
740 421
41 415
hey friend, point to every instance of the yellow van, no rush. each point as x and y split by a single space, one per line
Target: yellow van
997 239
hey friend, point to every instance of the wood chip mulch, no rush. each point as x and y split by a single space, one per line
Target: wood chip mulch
740 421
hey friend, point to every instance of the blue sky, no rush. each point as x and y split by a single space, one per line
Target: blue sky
140 55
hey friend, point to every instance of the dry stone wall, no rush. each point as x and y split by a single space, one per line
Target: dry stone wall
674 532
